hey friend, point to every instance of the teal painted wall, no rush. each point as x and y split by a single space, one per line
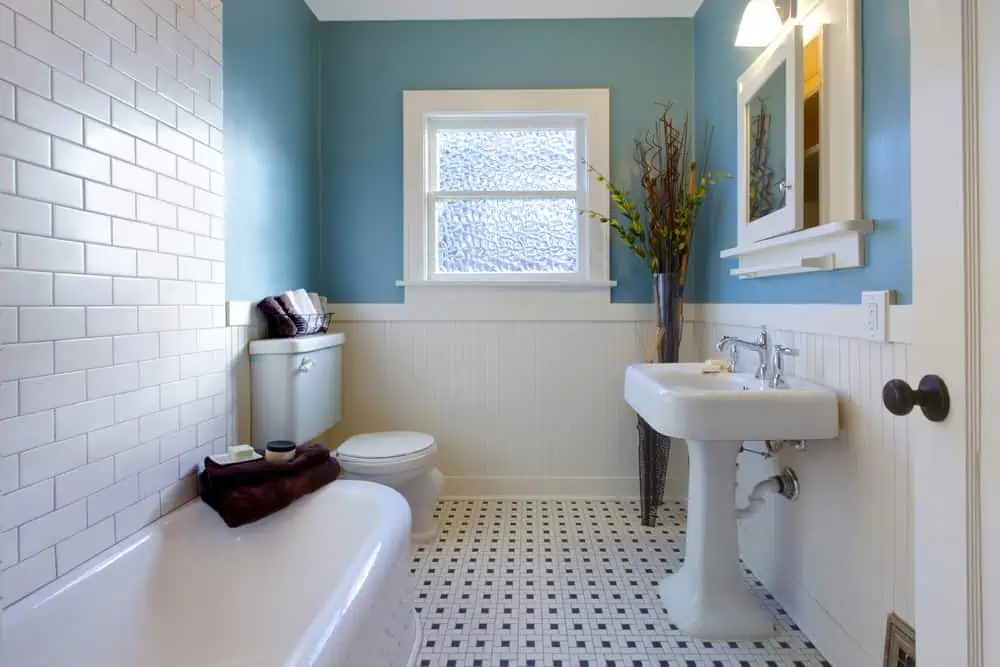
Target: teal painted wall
886 149
271 75
367 66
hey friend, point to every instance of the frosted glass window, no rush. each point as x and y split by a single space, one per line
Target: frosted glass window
513 160
507 235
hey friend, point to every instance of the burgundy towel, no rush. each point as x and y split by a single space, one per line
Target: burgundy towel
278 321
246 492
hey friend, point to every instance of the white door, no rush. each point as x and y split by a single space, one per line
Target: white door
955 121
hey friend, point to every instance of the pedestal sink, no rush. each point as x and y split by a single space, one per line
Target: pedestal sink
716 413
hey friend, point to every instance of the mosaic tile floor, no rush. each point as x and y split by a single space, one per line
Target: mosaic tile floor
561 583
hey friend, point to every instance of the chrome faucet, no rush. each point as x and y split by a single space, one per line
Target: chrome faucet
778 354
761 346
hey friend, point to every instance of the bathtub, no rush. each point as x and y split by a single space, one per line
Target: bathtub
324 583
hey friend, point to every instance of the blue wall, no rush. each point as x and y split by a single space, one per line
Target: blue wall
272 158
717 65
367 66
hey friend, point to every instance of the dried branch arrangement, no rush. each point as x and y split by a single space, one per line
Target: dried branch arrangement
674 188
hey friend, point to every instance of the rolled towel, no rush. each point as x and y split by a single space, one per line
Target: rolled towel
294 313
278 320
308 309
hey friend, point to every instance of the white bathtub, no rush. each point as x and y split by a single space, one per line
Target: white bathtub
324 583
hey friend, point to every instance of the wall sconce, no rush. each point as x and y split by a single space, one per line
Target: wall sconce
761 23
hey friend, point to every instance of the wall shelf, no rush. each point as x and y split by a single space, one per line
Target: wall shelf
835 245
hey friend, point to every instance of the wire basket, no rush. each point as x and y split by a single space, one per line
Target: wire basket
311 325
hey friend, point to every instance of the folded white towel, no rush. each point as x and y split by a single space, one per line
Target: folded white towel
317 304
294 302
302 303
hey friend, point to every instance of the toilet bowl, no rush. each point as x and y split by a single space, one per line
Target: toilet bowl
403 460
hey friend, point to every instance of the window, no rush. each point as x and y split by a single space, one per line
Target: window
495 183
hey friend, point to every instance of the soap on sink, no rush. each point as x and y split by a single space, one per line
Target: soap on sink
712 366
241 453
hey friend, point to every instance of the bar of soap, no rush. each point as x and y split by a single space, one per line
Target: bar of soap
712 366
241 452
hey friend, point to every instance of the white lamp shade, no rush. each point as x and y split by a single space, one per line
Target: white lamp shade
761 23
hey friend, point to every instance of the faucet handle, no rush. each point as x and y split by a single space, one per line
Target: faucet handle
763 338
778 354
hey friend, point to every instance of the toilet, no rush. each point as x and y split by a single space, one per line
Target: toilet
297 395
404 460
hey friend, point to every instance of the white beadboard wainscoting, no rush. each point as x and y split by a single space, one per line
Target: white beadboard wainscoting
112 310
840 557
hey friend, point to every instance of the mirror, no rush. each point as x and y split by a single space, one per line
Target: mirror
766 121
812 89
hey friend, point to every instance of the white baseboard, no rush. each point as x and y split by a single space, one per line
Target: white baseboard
541 487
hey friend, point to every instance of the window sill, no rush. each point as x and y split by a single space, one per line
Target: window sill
574 285
832 246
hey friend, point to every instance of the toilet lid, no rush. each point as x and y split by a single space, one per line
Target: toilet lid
385 445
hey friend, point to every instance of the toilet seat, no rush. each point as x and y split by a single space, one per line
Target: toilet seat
386 453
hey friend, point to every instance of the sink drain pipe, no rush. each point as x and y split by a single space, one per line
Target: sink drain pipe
785 483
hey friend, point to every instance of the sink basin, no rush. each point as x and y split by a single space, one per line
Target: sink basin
715 414
680 401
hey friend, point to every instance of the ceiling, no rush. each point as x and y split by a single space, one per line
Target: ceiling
440 10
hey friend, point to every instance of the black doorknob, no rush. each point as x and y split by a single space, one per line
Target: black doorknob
931 395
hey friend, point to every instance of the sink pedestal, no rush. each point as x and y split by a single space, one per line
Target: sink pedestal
707 598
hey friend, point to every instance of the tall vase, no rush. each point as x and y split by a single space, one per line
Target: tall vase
654 448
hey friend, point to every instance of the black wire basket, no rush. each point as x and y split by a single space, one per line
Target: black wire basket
305 325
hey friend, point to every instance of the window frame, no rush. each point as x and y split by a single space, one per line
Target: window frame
427 111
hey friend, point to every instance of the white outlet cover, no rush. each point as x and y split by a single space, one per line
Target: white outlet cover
875 311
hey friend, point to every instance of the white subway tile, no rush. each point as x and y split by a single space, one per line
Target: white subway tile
194 221
107 442
8 549
74 29
27 503
82 290
156 265
175 142
85 545
47 47
189 268
140 347
158 318
153 104
18 141
27 576
191 77
76 225
8 250
49 117
193 126
6 25
134 234
189 28
169 37
73 420
8 325
127 119
41 183
84 481
80 161
19 434
76 355
109 260
209 158
141 15
39 12
157 478
194 174
6 174
134 179
196 412
135 460
209 203
216 139
100 14
177 292
112 380
52 391
210 293
159 424
138 516
192 462
174 191
180 492
196 317
208 248
127 62
173 394
25 288
156 212
212 429
178 342
135 292
80 97
108 140
51 323
209 113
166 9
212 339
25 215
157 159
103 77
24 71
107 501
8 406
48 530
10 478
176 243
178 443
159 371
112 320
211 385
136 404
47 254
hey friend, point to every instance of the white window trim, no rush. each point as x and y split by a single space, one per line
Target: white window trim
421 108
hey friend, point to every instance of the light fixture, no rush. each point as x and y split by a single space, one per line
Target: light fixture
761 23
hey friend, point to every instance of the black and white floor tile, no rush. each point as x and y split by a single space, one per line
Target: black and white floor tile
569 583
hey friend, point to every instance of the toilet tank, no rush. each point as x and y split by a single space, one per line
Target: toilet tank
295 387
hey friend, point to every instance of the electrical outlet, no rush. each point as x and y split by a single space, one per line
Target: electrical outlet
876 314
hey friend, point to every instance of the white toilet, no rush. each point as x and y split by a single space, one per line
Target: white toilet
297 396
404 460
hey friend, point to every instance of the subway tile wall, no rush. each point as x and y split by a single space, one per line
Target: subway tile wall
113 381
